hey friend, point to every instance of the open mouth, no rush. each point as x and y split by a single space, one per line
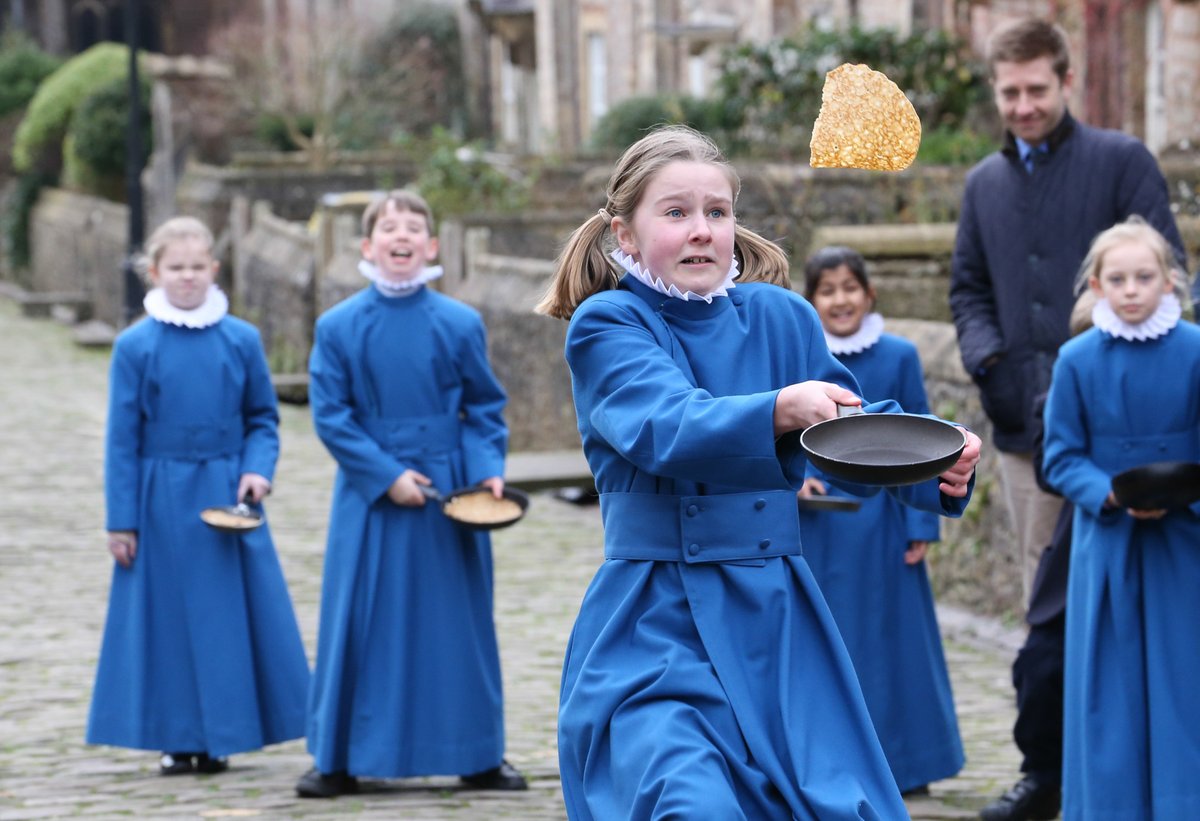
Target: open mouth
696 261
401 254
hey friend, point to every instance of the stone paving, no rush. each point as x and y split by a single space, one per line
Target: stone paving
54 576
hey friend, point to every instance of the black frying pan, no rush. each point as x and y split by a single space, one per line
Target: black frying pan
883 448
475 507
819 502
1158 485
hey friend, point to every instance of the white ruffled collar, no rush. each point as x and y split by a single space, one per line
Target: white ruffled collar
389 287
651 281
1165 317
868 334
209 312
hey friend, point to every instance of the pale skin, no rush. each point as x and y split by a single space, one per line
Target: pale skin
406 490
184 270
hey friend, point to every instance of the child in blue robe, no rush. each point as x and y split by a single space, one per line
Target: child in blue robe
870 564
407 679
201 655
1124 394
704 677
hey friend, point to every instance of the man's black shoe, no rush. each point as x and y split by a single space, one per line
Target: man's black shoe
316 784
1028 800
504 777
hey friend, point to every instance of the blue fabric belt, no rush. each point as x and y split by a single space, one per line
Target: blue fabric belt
167 440
720 528
415 435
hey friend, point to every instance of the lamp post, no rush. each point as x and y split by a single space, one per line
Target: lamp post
133 169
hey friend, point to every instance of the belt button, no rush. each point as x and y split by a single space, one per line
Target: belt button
764 544
759 504
692 510
694 549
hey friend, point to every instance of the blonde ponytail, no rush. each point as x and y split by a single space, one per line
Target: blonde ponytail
582 269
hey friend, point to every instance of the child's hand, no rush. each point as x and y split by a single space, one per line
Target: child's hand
806 403
122 544
1111 503
916 552
406 491
811 485
955 480
254 486
496 485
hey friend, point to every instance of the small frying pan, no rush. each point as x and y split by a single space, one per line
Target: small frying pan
1158 485
232 518
828 503
883 448
475 507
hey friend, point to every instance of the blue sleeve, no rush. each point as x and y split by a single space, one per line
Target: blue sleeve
642 404
485 436
1067 464
367 467
260 412
122 439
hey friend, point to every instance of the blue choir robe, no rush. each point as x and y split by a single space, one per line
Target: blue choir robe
407 679
201 649
882 606
704 676
1131 723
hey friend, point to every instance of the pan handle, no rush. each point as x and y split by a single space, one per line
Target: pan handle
850 410
430 492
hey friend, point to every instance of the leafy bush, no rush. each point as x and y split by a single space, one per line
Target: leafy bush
272 129
954 146
39 137
18 209
409 79
628 121
98 129
22 67
775 89
458 178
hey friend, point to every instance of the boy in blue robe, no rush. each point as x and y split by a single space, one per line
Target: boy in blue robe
407 680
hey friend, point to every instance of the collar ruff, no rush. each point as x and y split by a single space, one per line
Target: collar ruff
389 287
650 281
1165 317
868 334
210 312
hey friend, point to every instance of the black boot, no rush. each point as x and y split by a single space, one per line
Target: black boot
204 764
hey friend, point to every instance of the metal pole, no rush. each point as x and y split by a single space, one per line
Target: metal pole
133 169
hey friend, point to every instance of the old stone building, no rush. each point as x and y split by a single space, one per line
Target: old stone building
553 67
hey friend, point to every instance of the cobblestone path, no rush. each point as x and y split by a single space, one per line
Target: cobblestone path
54 576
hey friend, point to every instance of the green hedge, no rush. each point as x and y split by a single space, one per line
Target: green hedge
22 67
628 121
96 135
38 141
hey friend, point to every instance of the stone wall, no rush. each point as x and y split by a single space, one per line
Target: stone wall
78 246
